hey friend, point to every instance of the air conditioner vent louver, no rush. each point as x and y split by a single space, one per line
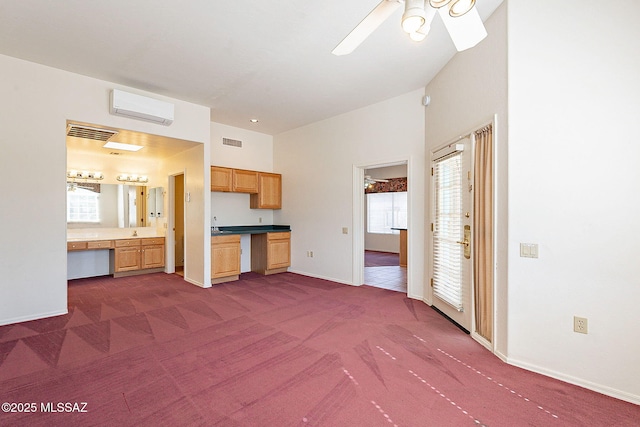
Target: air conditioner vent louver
231 142
90 133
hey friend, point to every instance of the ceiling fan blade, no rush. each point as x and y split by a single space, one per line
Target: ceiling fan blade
466 31
367 26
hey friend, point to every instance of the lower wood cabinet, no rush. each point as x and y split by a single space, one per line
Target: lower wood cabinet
271 252
138 255
225 258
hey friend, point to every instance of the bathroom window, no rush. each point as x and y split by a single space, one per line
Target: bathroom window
386 211
83 206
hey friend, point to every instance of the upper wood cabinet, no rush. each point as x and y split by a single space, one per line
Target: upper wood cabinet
221 179
245 181
265 188
269 194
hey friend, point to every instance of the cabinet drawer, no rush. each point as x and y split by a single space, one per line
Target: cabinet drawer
279 236
231 238
127 242
153 241
100 244
76 246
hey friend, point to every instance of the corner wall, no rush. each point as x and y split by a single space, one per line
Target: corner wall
466 94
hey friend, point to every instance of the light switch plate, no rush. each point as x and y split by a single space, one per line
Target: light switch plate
529 250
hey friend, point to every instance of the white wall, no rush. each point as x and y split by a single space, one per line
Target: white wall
197 234
466 94
33 253
317 165
573 190
256 153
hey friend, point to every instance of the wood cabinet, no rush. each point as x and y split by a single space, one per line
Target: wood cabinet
100 244
138 255
270 252
221 178
225 258
76 246
265 188
152 255
269 195
245 181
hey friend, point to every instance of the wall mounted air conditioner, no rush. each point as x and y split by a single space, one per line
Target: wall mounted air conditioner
141 107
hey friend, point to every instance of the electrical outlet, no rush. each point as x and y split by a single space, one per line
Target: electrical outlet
580 325
311 254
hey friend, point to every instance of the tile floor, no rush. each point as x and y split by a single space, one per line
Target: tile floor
379 274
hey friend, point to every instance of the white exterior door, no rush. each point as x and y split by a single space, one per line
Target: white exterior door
451 263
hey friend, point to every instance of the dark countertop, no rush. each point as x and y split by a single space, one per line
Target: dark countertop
250 229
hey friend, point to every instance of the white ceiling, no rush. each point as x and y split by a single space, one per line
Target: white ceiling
268 59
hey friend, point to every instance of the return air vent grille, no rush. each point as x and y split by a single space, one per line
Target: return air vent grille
231 142
90 133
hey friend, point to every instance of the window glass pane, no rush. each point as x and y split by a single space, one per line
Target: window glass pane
386 211
83 206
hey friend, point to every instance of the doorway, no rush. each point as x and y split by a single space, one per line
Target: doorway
178 225
462 251
451 231
385 227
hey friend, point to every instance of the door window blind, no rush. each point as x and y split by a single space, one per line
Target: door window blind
447 253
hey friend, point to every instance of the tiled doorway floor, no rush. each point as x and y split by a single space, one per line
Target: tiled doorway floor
382 270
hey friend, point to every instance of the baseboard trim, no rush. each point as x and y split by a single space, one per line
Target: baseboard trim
193 282
32 317
599 388
317 276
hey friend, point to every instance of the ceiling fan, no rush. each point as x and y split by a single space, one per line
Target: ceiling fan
368 181
460 18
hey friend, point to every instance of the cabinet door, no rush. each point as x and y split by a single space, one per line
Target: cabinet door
245 181
225 256
153 256
269 192
221 179
278 250
127 259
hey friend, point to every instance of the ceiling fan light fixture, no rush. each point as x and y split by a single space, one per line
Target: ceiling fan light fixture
438 3
461 7
414 15
466 31
421 33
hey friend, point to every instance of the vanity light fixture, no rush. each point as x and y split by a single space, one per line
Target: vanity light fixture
133 179
84 175
122 146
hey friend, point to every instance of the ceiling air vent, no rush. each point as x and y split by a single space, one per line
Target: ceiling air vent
231 142
87 132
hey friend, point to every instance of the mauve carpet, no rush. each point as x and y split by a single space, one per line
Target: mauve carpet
281 350
380 259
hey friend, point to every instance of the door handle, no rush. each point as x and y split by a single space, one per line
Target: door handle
466 241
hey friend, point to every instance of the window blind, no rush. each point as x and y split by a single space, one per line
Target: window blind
447 231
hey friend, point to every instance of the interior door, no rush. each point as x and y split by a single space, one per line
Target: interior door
179 220
451 263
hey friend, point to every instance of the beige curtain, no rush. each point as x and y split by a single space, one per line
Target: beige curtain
483 232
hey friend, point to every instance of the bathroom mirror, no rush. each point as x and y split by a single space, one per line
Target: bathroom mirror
110 205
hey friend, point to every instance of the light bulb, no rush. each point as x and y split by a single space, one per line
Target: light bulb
413 16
